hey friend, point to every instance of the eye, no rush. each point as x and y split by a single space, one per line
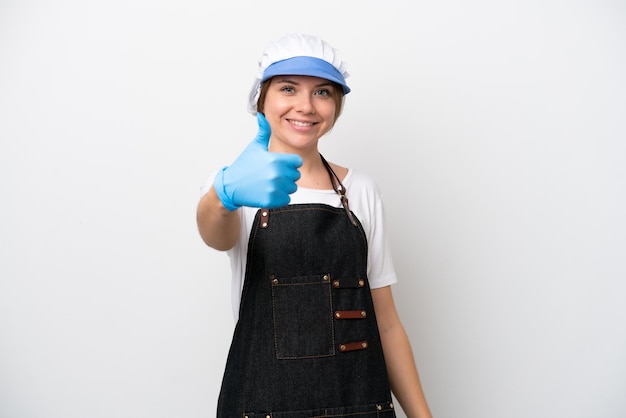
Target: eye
287 89
323 92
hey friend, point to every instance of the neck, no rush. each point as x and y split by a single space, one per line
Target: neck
313 173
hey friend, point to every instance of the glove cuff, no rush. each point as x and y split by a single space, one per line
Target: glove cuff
220 189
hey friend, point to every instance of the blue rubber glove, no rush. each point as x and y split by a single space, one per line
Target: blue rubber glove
258 178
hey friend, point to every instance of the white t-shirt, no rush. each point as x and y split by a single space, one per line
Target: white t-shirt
365 201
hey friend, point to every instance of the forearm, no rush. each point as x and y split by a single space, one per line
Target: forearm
401 368
402 371
218 227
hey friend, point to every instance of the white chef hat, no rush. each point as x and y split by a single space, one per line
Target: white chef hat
299 54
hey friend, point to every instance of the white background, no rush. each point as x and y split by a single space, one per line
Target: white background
495 129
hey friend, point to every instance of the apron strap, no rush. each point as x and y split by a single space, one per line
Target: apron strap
340 189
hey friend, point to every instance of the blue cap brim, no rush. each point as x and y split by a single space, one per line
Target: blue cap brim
309 66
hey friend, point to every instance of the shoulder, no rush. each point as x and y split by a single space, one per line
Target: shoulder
355 177
365 198
361 183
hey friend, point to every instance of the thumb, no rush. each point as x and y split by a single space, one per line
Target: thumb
263 136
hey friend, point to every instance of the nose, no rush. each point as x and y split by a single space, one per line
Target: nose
305 104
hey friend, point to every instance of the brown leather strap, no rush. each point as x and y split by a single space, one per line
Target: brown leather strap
359 314
265 218
340 189
358 345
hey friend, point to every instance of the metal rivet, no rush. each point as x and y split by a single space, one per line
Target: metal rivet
264 213
361 283
364 345
275 281
391 405
338 314
264 224
326 277
363 314
336 283
342 347
378 407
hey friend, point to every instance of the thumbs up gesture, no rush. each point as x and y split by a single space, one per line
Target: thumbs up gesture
258 178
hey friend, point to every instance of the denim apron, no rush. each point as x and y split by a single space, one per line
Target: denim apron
306 343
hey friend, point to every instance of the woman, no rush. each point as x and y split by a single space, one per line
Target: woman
311 266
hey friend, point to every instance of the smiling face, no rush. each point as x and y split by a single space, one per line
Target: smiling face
300 110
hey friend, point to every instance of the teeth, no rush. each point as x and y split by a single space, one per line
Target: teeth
298 123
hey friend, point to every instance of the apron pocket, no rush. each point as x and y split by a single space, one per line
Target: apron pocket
380 410
303 316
